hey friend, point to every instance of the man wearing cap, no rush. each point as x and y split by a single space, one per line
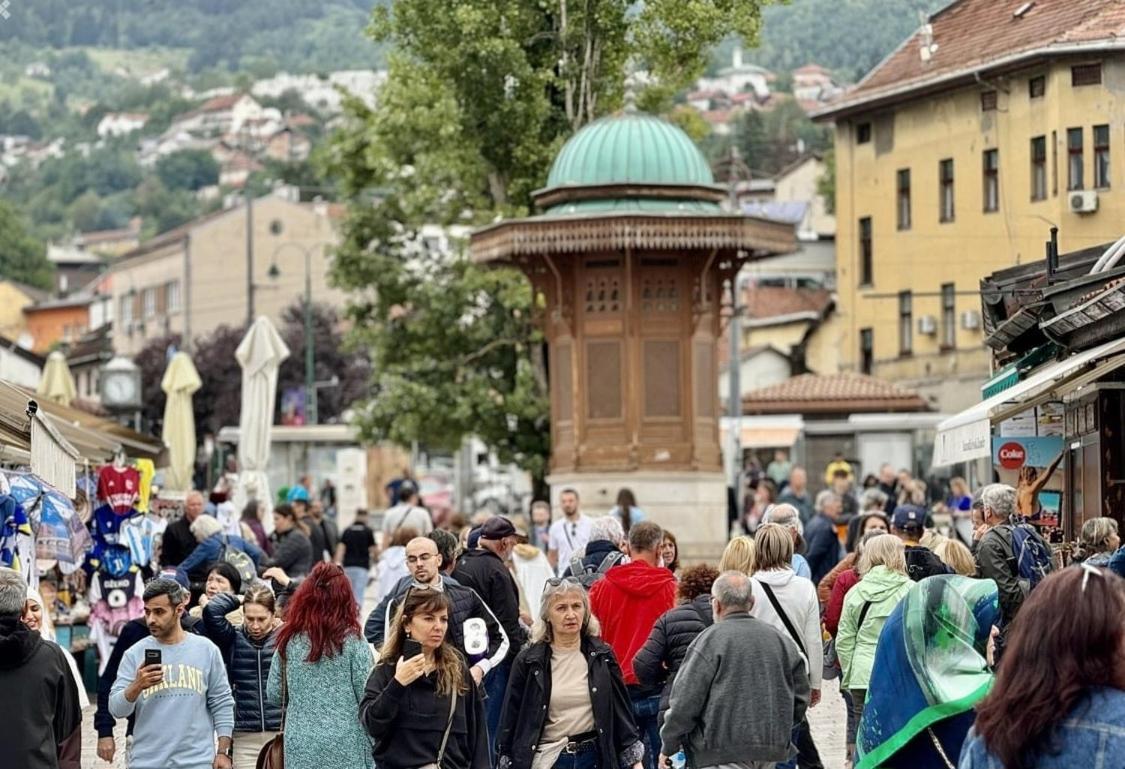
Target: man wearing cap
485 570
407 513
908 523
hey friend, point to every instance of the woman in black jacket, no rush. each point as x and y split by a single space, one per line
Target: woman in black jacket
660 658
292 550
424 709
247 651
567 706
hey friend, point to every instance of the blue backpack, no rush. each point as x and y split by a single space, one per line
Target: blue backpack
1031 556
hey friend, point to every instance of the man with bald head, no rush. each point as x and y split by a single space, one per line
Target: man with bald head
473 627
178 541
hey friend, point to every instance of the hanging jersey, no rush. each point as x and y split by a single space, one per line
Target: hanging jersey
107 525
113 602
17 543
140 533
119 489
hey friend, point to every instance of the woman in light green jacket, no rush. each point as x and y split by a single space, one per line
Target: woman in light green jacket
883 583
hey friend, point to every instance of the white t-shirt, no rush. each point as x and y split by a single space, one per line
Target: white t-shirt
567 536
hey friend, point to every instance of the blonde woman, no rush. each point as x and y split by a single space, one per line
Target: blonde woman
883 583
567 706
788 602
957 557
738 556
421 705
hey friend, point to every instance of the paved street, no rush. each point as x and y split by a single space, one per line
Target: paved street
827 719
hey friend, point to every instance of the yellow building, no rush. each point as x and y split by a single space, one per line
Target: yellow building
954 157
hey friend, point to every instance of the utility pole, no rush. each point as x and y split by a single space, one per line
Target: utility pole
310 354
737 171
249 255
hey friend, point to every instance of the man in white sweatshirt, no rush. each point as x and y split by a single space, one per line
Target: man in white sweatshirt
183 701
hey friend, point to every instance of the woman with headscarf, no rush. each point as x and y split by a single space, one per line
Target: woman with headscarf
37 616
930 669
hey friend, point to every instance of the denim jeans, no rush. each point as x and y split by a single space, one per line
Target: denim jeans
358 576
645 712
807 755
585 759
495 686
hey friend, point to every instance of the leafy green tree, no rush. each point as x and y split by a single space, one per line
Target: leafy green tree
480 96
334 357
22 258
187 170
826 184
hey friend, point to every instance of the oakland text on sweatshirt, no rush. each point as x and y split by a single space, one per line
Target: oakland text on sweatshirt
176 720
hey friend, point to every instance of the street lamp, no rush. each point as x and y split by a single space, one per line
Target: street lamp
310 359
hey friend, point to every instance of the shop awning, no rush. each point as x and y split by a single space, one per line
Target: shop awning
968 435
757 432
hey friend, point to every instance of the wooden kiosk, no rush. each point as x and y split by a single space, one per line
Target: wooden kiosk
629 259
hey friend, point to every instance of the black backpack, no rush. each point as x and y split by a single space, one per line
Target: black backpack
587 575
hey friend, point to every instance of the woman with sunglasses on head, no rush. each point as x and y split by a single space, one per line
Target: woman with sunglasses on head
567 706
1059 696
421 705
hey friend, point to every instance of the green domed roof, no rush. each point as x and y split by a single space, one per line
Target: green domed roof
630 148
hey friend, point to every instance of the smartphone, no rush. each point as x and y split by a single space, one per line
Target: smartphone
152 657
411 648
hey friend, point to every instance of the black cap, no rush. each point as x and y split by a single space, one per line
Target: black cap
406 490
497 527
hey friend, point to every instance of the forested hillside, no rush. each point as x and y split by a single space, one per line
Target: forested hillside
298 35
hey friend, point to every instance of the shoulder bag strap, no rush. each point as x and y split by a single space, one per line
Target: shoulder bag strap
862 616
448 727
784 617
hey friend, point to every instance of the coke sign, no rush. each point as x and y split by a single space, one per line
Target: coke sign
1012 456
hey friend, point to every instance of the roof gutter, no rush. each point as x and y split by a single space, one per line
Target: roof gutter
889 95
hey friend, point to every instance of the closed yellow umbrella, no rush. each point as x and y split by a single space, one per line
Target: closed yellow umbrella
180 382
56 384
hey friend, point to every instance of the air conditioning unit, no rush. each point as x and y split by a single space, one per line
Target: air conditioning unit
927 324
1083 201
970 320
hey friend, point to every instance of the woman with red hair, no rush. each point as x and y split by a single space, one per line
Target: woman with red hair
319 672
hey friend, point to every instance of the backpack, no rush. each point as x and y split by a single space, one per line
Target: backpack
1031 558
242 563
588 576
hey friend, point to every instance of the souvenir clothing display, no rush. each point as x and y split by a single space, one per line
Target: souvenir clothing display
119 487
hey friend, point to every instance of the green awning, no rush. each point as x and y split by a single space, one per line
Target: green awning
1000 381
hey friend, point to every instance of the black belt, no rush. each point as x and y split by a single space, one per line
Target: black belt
581 743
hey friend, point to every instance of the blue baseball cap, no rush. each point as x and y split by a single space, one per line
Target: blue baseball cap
297 494
908 517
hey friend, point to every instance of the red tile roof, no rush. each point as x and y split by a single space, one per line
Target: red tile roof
843 393
221 102
764 302
975 35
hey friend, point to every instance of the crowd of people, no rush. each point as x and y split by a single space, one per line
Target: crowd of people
579 642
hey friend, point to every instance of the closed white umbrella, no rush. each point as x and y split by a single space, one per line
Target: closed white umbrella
56 383
180 383
260 353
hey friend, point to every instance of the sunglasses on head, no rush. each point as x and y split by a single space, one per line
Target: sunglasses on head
557 581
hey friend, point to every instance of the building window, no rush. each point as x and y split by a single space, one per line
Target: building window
990 161
904 199
172 296
866 350
866 255
905 323
1086 74
945 175
1037 87
988 101
148 302
1039 168
863 133
1074 159
126 310
948 316
1101 156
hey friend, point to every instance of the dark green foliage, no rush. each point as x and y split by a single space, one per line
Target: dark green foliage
22 258
187 170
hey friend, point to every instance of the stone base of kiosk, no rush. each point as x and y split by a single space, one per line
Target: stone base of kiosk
692 505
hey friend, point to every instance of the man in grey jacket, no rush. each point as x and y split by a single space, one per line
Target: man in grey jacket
740 691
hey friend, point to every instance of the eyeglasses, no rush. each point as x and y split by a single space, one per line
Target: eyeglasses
558 581
425 557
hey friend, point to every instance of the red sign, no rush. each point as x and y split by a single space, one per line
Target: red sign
1012 456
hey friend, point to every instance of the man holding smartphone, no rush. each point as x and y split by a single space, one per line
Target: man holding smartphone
176 685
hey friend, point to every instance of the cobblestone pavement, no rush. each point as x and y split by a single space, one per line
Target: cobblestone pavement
828 723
